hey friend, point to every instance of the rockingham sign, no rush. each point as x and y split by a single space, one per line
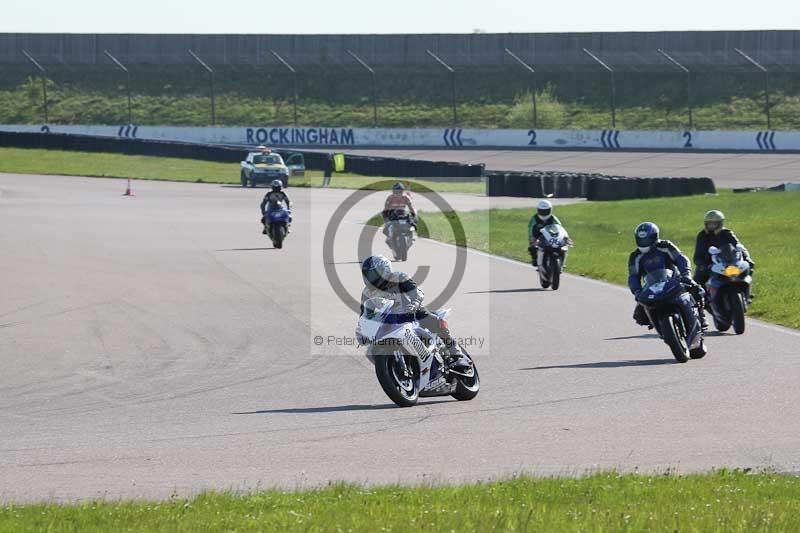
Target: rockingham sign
608 139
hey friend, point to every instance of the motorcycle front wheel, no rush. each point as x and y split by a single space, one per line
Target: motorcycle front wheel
278 234
670 330
467 387
737 311
555 272
402 390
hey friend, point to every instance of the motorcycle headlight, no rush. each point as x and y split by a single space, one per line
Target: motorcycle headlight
732 271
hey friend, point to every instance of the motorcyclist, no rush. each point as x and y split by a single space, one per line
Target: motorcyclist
714 233
381 281
399 200
653 254
543 217
271 201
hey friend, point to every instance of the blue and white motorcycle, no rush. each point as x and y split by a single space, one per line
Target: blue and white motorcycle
409 359
552 246
728 287
672 311
277 219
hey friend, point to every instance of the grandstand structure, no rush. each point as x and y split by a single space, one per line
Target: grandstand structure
777 50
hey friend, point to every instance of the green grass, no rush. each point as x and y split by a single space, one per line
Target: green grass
35 161
603 232
721 501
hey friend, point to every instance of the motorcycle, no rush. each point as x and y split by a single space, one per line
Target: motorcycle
277 219
671 310
552 246
400 233
728 287
409 359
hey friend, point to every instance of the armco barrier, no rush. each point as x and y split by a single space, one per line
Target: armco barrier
367 166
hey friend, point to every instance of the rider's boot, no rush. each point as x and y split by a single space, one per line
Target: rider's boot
703 322
264 231
457 360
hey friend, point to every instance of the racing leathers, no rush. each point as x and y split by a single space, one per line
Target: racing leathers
662 255
702 258
271 202
407 296
535 226
397 204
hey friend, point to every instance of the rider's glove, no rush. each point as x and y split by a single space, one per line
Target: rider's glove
414 306
688 281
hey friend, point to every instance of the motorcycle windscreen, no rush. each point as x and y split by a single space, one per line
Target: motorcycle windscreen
374 316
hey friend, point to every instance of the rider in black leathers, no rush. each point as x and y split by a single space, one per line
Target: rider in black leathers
714 233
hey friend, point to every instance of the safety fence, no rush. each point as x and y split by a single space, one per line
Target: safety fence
314 160
524 184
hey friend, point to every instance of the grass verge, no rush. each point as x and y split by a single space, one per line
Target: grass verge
603 232
719 501
36 161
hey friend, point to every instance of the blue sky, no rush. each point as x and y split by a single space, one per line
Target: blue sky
407 16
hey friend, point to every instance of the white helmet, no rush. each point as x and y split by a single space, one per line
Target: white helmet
544 209
376 270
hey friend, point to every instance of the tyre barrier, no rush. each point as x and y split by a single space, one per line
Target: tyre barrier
540 184
314 160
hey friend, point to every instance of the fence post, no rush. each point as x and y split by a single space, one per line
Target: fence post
533 73
294 81
453 78
128 83
688 84
613 87
44 83
211 73
374 92
766 84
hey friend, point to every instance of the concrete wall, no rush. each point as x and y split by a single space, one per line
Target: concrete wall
624 50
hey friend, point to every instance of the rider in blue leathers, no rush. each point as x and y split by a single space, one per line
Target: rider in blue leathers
653 254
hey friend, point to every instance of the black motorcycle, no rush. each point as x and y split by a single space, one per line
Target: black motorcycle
728 287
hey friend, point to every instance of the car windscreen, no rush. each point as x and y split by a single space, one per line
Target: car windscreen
267 160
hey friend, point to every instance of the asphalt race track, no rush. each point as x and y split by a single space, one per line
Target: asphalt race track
726 169
157 345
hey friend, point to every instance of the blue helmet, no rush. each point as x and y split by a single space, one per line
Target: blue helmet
646 235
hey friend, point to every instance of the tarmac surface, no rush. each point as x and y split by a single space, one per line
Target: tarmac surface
158 345
726 169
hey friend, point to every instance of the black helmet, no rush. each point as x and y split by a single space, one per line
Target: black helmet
375 271
398 188
277 185
646 235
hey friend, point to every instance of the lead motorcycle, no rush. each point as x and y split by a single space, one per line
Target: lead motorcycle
410 359
728 287
400 233
277 220
552 246
672 312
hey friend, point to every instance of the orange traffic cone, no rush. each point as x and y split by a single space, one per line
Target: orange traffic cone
128 191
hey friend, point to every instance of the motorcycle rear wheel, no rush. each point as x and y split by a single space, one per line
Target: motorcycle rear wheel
403 392
672 336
